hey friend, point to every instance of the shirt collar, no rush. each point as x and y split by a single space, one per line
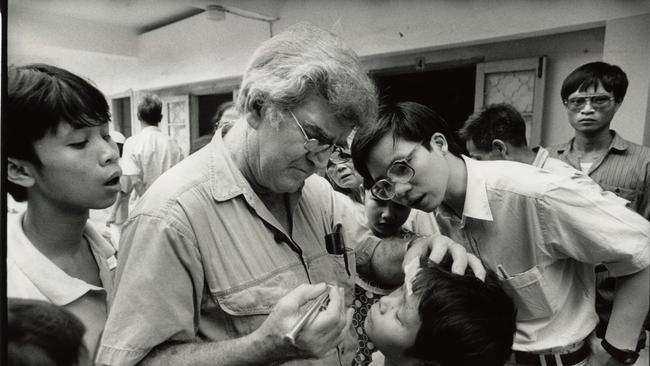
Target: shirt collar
151 128
618 143
59 287
476 205
540 157
226 180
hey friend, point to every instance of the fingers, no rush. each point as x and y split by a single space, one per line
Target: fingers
439 247
459 257
304 293
477 266
346 328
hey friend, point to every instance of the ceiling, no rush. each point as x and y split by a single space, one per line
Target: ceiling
138 16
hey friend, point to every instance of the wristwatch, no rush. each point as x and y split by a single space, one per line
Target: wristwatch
625 356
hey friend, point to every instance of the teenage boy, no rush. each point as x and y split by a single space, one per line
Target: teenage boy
542 232
592 94
62 161
444 319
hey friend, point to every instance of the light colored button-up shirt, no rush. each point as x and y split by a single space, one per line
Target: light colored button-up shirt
31 275
542 233
149 154
203 259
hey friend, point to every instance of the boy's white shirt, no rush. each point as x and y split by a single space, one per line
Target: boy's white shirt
31 275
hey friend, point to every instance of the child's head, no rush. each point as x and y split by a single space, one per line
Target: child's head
403 157
448 320
40 333
385 218
60 145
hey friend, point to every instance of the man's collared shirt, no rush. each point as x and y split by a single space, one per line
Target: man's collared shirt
543 233
31 275
624 170
203 259
149 154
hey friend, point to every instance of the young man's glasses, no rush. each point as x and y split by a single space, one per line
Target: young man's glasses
597 101
400 171
314 145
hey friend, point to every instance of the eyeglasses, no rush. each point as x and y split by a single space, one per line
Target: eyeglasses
314 145
400 171
597 101
339 156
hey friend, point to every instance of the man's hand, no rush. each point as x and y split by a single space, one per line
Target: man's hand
437 246
324 332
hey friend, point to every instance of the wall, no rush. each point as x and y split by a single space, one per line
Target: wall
564 51
627 44
197 50
105 54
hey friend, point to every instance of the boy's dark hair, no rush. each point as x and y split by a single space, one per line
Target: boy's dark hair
40 333
496 121
406 120
465 321
150 110
39 97
612 77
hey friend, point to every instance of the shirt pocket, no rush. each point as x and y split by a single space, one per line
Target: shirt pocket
530 293
331 268
629 194
248 305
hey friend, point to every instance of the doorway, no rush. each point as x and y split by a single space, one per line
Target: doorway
207 107
449 92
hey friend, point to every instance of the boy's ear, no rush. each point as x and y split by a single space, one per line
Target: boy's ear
439 140
500 147
20 172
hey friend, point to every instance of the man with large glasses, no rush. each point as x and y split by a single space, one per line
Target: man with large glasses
225 251
592 94
543 233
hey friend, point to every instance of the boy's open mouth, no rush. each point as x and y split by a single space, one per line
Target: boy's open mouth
113 181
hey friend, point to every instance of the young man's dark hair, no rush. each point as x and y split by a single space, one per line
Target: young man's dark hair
40 333
496 121
465 321
150 110
39 98
407 120
612 77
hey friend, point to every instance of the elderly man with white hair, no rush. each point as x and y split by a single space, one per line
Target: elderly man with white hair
225 251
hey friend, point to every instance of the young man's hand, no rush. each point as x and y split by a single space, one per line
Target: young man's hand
437 246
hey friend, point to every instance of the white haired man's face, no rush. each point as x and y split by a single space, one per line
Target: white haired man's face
284 163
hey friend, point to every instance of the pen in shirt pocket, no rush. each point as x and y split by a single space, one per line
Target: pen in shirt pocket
503 272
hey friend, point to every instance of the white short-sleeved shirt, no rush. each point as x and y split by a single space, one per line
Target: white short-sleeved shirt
31 275
149 154
543 233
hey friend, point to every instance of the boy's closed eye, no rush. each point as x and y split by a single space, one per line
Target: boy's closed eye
78 145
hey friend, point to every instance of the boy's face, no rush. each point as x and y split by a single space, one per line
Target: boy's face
588 119
393 322
79 168
384 217
427 188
